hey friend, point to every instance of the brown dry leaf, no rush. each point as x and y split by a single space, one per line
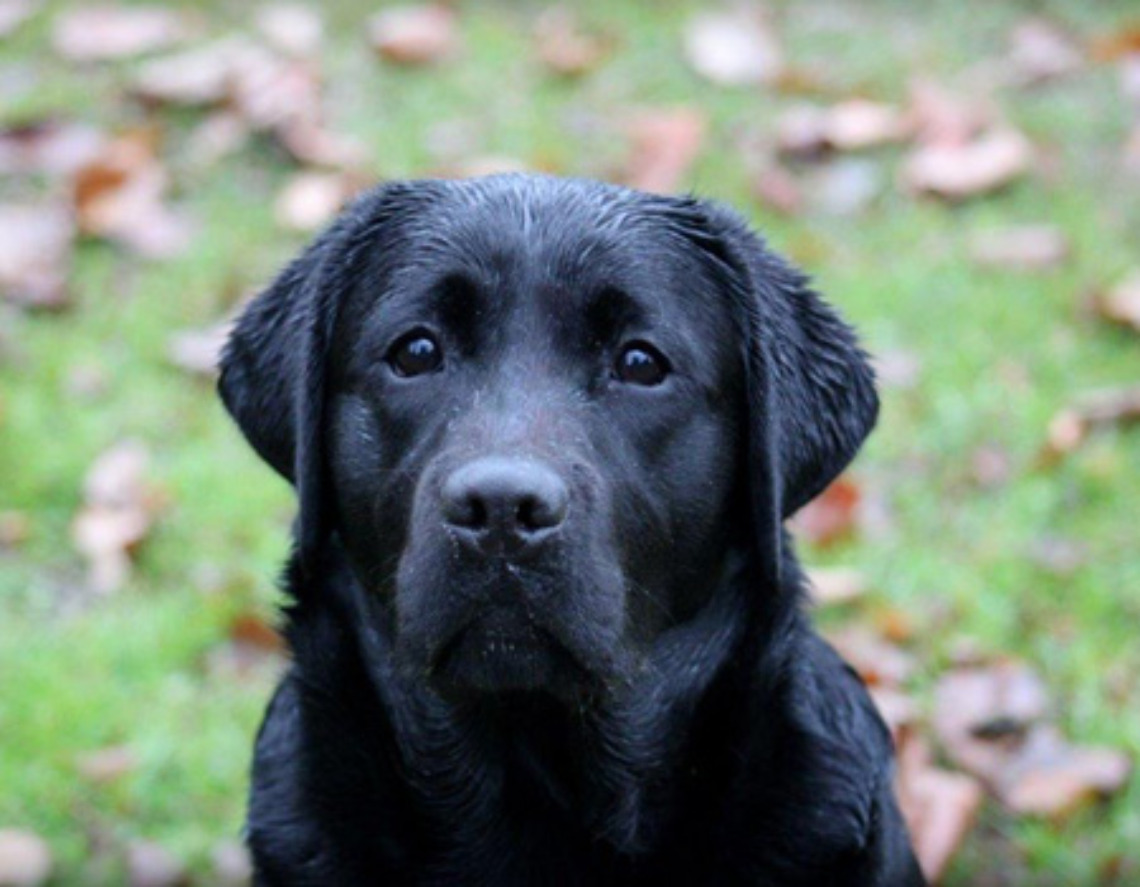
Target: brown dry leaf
291 28
35 254
801 132
982 713
897 368
253 645
48 147
665 145
1114 46
120 196
1070 427
231 864
1041 50
1021 248
941 117
199 76
14 13
1049 777
845 187
15 529
310 200
733 48
776 188
218 136
831 516
940 807
25 858
107 764
415 35
198 351
151 865
858 123
98 33
836 585
564 47
959 171
877 660
118 511
1121 304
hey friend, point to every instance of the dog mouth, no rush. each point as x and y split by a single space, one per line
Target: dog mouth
502 650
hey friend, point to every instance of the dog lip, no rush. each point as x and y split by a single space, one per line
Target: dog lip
508 548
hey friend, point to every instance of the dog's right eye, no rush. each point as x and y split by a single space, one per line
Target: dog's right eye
415 354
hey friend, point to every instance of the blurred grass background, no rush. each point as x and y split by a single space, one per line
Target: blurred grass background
998 352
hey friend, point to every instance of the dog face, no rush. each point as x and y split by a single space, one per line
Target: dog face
540 413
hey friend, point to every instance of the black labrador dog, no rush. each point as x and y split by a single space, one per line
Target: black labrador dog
546 624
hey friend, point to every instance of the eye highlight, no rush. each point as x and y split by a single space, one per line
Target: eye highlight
639 363
415 354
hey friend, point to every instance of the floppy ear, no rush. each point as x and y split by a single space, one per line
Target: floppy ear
810 387
273 367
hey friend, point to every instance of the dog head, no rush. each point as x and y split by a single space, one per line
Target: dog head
540 414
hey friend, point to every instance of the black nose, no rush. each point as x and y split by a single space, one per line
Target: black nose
504 503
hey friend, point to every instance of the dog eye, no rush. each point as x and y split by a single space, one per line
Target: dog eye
415 354
641 364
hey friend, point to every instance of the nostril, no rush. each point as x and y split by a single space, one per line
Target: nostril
541 511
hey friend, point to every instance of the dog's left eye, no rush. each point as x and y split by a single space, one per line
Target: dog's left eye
415 354
639 363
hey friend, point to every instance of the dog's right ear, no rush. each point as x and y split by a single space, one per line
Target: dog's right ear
273 368
263 365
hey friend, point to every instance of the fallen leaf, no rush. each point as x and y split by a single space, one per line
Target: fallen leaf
835 585
1111 47
801 132
199 76
991 466
481 165
107 764
1121 304
198 351
1021 248
151 865
858 123
120 196
1070 426
25 858
830 516
14 13
665 143
959 171
291 28
99 33
15 529
878 661
1041 50
777 189
35 254
897 368
845 187
310 200
983 713
415 35
1049 777
941 117
48 147
252 647
118 511
940 807
733 48
897 709
231 864
563 46
221 134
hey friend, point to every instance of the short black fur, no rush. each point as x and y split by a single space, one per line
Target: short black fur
623 690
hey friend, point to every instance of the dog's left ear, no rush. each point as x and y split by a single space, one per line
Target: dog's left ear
810 387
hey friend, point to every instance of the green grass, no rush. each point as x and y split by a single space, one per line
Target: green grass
1000 353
